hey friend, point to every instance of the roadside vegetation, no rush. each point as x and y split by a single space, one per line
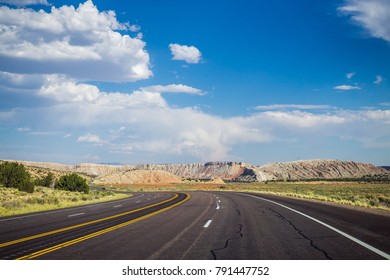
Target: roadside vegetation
371 195
73 183
15 175
14 202
363 194
20 193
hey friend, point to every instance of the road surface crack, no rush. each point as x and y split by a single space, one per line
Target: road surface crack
301 233
237 235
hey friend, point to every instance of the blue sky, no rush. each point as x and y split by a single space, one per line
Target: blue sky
195 81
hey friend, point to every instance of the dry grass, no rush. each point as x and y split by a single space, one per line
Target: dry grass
14 202
351 193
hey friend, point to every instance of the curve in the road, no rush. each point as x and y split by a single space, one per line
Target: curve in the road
80 232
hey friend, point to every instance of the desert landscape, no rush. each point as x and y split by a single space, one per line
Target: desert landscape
194 130
345 182
101 174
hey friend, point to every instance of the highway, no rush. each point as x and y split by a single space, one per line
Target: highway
198 225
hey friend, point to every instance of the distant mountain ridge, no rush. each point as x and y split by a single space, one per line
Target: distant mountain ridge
228 171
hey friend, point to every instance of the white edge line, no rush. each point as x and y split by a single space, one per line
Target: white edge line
350 237
207 224
73 215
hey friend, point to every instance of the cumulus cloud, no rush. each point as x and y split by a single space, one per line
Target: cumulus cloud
65 90
347 87
189 54
81 42
25 2
373 16
142 122
20 82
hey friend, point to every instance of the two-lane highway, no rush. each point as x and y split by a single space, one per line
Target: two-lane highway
31 236
206 225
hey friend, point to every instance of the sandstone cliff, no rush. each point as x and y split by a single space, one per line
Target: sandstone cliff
89 169
209 170
318 169
228 171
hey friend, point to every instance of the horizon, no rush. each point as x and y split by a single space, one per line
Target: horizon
189 163
175 82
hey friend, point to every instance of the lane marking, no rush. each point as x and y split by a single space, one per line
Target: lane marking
171 243
218 206
117 206
84 224
74 215
100 232
63 210
350 237
207 224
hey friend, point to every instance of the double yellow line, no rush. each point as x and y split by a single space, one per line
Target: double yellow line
77 240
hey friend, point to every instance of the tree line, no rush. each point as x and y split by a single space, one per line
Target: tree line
15 175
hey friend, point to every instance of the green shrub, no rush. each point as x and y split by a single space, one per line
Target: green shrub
15 175
72 182
27 186
49 180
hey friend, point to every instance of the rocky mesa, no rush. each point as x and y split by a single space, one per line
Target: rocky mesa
227 171
316 169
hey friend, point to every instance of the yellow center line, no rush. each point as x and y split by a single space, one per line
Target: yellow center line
83 224
91 235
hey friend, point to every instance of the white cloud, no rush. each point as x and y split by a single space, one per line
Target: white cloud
381 115
293 106
142 122
81 42
20 82
301 119
89 138
25 2
174 88
65 90
189 54
347 87
378 80
350 75
372 15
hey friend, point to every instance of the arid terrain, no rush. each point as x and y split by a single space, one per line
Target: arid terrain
212 172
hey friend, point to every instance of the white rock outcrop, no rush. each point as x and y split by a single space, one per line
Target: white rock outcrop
228 171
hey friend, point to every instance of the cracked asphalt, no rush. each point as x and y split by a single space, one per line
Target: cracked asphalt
235 226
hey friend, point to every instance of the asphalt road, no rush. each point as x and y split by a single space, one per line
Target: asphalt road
203 225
